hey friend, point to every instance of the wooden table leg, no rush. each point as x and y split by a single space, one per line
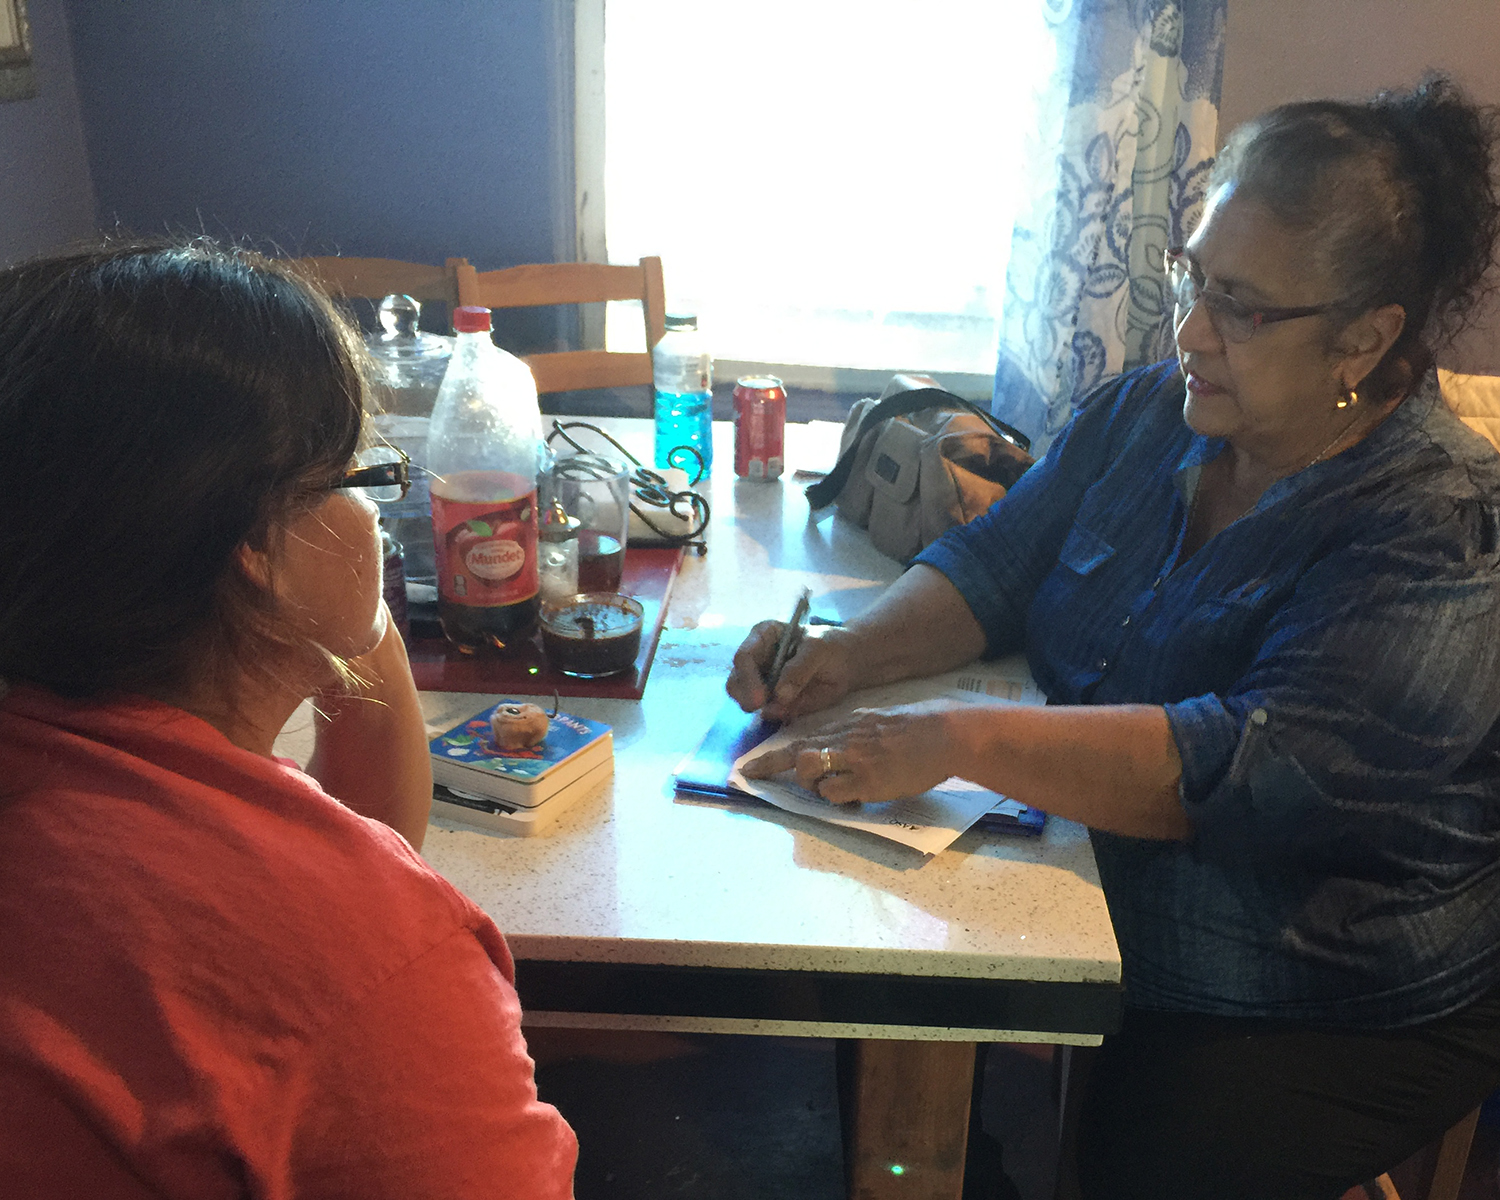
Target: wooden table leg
904 1107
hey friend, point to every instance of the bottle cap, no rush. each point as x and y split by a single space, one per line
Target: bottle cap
471 318
680 320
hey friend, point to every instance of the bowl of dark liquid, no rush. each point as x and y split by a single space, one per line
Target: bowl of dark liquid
592 634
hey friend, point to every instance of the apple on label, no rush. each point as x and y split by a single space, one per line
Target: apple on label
466 534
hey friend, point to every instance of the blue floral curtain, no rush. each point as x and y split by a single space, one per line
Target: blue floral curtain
1124 143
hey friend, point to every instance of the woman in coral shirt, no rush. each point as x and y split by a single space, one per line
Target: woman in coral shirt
220 976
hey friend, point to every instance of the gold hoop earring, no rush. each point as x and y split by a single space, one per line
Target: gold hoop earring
1348 399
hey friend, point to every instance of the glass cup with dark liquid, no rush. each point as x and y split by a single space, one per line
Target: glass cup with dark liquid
596 490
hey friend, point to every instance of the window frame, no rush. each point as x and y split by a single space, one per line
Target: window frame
17 80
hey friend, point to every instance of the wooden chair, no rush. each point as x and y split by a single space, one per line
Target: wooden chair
1440 1169
536 285
376 278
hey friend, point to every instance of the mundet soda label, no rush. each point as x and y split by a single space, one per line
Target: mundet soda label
486 551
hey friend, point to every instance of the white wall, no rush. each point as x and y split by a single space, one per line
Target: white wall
1280 50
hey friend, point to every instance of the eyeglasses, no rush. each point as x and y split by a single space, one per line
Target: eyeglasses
382 481
1233 320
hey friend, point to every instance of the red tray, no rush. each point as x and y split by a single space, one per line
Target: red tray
647 575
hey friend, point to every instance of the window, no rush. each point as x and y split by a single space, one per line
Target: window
830 183
16 79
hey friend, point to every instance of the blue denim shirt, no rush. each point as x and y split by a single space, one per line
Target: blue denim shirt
1344 864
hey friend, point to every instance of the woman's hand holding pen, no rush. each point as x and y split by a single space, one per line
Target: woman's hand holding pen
919 626
820 673
872 755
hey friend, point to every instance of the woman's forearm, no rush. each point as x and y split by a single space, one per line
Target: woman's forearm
371 751
921 625
1111 767
1114 768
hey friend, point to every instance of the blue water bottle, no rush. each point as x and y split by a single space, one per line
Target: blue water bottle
684 374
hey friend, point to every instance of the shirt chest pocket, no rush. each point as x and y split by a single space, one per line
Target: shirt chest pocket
1084 551
1073 592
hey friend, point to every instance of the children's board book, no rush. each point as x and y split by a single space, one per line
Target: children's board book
469 809
466 760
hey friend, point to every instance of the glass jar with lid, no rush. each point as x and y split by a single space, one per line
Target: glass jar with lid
408 369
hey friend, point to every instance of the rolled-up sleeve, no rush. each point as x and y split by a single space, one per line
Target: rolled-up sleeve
1378 679
1207 731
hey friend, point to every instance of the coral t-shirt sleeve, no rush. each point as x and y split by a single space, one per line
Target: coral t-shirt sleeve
417 1094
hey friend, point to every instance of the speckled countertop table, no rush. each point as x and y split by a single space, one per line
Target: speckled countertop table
642 910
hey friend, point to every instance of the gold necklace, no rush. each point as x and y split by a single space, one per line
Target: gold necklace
1337 438
1314 461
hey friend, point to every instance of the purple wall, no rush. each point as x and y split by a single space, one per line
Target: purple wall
46 198
379 127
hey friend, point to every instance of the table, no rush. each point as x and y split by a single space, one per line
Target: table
643 911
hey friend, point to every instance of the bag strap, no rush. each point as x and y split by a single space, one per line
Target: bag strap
826 490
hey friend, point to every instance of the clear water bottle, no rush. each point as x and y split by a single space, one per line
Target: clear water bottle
684 375
408 369
485 450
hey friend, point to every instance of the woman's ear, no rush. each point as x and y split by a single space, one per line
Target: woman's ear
254 564
1365 340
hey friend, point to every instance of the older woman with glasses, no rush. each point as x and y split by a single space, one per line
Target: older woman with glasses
220 975
1260 586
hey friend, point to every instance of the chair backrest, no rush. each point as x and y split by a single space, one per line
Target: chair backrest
539 284
376 278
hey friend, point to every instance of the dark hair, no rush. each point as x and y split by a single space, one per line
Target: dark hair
160 405
1398 196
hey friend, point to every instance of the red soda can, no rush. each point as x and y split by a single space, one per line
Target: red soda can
759 427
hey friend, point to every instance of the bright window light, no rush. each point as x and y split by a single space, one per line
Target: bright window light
827 182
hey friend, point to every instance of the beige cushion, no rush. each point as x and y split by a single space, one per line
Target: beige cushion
1476 401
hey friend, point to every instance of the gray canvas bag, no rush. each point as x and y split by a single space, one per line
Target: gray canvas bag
918 461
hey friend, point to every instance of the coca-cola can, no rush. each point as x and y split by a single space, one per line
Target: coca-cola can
759 427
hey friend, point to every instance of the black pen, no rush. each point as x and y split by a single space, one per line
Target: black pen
787 643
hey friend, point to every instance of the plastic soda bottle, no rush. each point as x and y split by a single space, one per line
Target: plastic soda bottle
484 449
684 377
